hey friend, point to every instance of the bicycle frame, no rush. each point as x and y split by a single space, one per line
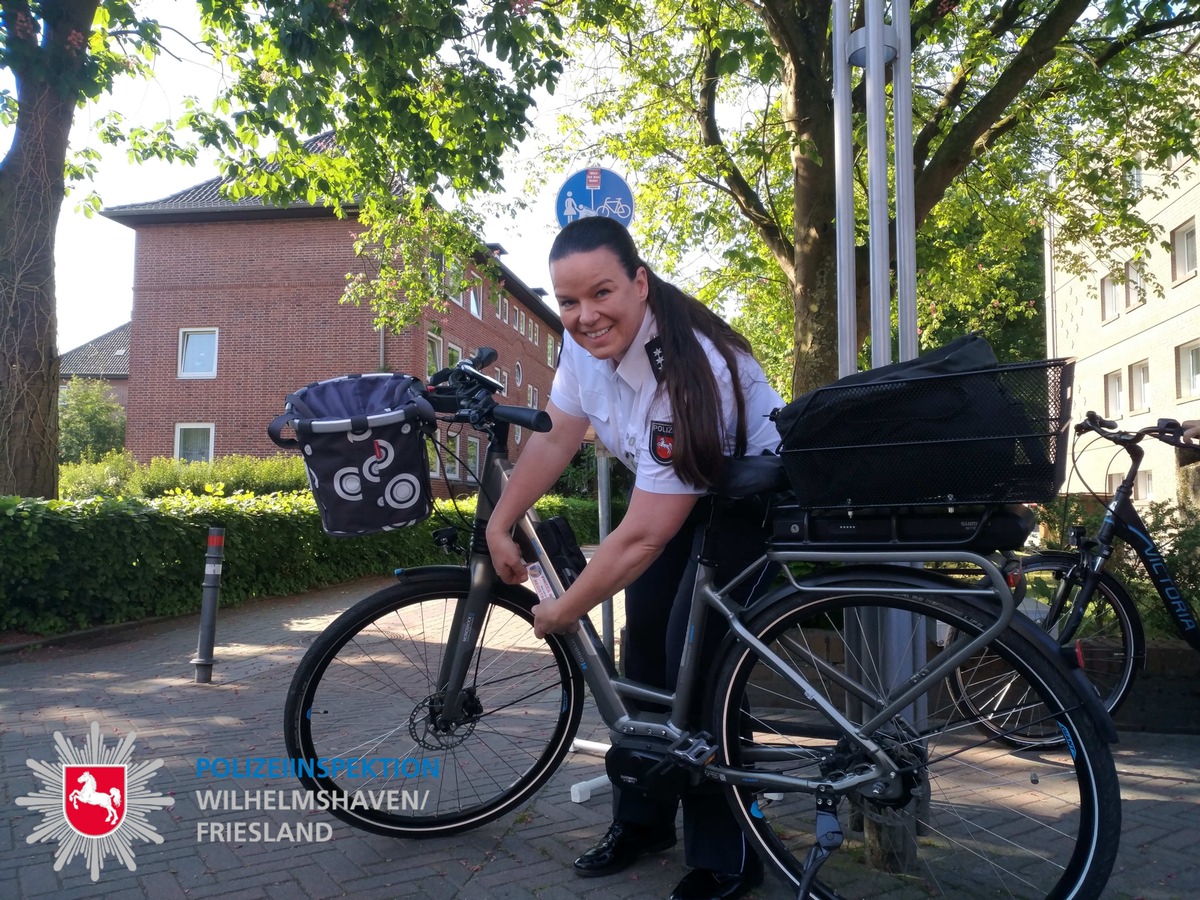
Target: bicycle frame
1122 520
613 693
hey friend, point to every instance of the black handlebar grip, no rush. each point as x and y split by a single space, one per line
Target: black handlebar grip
1095 419
484 356
533 419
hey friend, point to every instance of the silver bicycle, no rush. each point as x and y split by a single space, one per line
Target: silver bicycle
826 715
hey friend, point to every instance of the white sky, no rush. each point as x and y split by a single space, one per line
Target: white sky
94 257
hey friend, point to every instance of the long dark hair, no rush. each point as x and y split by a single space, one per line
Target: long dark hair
688 378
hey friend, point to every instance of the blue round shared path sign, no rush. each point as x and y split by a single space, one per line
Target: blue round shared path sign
594 192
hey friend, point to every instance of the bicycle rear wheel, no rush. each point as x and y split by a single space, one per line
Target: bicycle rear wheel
361 699
1108 644
972 817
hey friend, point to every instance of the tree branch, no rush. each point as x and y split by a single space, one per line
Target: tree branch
743 193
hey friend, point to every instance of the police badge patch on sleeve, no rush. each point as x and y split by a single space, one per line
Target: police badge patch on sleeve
662 442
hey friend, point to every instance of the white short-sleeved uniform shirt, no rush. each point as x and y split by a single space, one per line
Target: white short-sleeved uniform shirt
633 419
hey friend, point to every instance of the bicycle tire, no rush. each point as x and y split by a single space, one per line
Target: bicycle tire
363 690
976 818
1109 644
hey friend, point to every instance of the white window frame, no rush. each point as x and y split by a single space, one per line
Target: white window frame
518 372
1114 395
475 450
521 320
1139 386
531 397
212 436
1187 365
537 333
472 296
451 464
504 305
1110 303
184 334
434 342
504 382
1183 251
1135 285
452 350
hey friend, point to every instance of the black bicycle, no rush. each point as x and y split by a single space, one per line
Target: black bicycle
824 715
1084 607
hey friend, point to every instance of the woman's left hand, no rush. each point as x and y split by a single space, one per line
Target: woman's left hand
550 618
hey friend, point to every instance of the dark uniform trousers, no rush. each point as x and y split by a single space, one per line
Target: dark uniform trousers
656 611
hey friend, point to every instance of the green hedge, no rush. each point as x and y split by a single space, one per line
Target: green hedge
117 474
69 565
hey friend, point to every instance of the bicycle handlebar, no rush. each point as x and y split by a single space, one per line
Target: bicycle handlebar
465 393
1168 431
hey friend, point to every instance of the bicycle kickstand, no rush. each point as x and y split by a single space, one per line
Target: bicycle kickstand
829 838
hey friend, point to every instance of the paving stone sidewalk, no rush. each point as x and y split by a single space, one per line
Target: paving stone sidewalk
140 679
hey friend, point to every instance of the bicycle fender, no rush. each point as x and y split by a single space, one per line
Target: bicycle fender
517 593
900 576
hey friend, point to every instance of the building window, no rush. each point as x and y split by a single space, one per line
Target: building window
1183 251
472 296
504 310
473 457
1139 386
1109 298
517 434
518 373
452 455
537 333
453 355
1135 285
521 321
435 464
550 351
197 353
532 397
1143 485
1114 400
1187 362
504 382
433 354
194 441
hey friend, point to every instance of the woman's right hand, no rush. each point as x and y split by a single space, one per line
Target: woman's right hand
506 556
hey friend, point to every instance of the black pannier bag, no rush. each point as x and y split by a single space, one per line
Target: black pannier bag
362 439
948 428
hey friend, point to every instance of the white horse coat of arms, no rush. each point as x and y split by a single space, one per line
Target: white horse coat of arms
94 798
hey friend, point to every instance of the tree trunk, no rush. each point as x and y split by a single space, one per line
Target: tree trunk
47 60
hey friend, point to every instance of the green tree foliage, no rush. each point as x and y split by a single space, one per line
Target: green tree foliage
90 421
421 96
723 114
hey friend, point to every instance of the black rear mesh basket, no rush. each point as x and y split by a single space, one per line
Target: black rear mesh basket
996 435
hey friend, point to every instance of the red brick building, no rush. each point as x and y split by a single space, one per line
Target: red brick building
235 305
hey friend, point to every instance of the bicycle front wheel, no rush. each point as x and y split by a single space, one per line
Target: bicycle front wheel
966 815
358 713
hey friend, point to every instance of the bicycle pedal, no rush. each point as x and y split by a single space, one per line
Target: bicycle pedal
694 749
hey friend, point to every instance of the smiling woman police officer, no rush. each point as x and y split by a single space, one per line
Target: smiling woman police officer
672 391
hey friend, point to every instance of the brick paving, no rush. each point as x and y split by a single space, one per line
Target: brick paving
140 679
